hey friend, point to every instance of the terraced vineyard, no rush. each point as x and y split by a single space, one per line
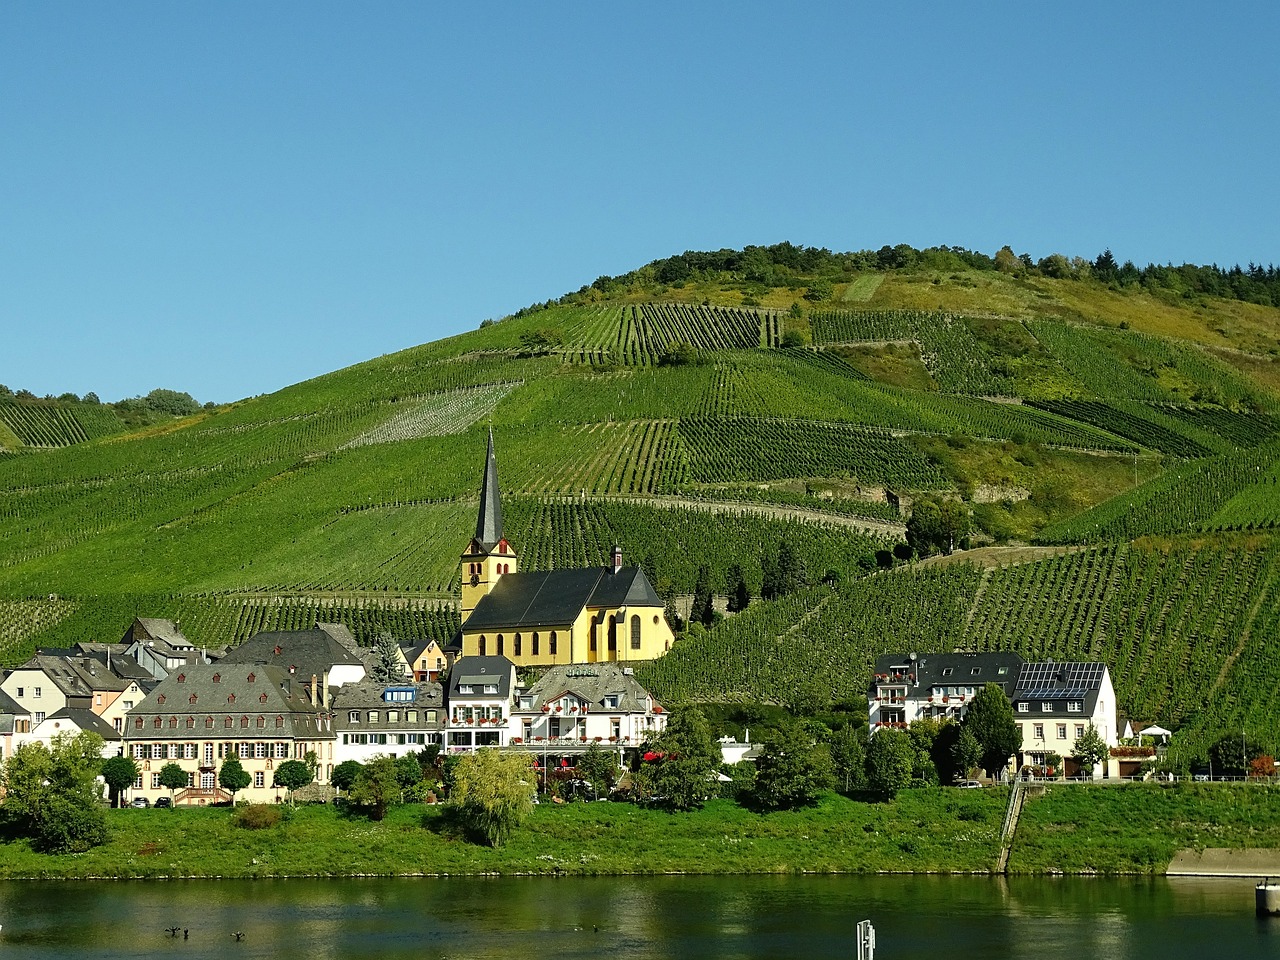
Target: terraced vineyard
349 497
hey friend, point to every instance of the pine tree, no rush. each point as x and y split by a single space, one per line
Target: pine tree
387 667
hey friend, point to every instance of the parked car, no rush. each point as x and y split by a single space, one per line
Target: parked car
162 802
139 802
963 785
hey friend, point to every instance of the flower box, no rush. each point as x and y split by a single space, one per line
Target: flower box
517 739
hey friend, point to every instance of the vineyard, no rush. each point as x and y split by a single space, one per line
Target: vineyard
48 425
948 347
350 496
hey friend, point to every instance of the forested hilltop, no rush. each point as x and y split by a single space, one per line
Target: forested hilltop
1097 443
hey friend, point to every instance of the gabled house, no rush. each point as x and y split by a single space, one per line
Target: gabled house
70 721
160 646
427 661
46 684
1055 701
202 714
908 687
393 719
479 703
571 707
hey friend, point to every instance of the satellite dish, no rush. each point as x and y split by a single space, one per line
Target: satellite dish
911 656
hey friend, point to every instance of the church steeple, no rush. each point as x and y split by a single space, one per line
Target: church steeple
488 556
489 522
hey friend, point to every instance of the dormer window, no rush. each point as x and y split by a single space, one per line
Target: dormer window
1046 707
192 699
160 699
975 671
279 649
231 698
946 671
217 678
263 698
251 678
1024 707
182 678
1075 706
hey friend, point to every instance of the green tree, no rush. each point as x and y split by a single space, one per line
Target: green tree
1007 261
292 775
702 611
990 720
678 354
966 752
233 777
849 757
1231 755
345 773
171 402
51 794
599 768
376 787
1091 749
739 595
685 762
493 793
173 777
387 665
119 774
792 770
889 761
409 776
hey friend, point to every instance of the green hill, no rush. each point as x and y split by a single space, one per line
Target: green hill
703 419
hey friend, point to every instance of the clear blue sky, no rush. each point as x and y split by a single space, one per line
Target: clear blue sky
227 198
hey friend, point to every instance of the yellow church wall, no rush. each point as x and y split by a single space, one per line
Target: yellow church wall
574 641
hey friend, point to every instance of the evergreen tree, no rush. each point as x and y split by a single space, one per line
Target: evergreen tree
387 666
702 611
889 760
739 596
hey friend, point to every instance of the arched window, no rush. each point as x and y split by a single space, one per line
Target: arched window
500 645
535 643
482 645
553 643
516 646
635 631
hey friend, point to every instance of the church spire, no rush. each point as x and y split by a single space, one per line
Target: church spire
489 523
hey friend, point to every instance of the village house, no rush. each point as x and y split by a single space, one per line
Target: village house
572 707
479 703
1053 701
386 718
427 660
159 646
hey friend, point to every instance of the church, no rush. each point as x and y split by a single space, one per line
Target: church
549 617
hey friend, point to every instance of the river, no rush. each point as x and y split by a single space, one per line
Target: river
637 918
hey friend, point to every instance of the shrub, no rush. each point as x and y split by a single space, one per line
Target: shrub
257 816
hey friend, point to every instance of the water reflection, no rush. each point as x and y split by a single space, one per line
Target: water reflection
684 918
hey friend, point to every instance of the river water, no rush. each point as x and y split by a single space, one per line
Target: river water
637 918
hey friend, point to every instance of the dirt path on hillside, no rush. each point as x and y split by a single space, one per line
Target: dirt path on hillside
998 556
775 510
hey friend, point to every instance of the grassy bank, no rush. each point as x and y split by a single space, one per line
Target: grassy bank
1138 828
1070 829
921 831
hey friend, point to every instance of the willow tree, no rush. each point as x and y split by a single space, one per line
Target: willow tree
493 793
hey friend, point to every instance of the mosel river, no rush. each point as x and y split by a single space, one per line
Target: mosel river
637 918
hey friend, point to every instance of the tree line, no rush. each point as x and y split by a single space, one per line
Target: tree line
817 268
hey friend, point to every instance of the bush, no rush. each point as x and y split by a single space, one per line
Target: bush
70 827
257 816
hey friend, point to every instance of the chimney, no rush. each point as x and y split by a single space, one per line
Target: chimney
314 692
325 690
617 558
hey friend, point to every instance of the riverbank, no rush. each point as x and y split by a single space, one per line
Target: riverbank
1136 829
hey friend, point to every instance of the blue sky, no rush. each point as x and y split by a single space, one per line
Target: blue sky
228 198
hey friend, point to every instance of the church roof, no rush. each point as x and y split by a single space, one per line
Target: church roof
489 521
556 597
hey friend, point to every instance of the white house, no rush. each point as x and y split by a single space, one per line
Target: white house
393 719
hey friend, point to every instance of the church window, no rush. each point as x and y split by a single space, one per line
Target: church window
500 645
552 648
482 645
635 632
535 643
516 646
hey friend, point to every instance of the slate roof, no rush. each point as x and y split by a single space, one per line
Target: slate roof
86 720
167 630
10 707
481 670
222 690
365 696
339 632
954 669
550 598
1058 683
309 652
591 683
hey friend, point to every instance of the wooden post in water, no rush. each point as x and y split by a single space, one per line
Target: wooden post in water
866 940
